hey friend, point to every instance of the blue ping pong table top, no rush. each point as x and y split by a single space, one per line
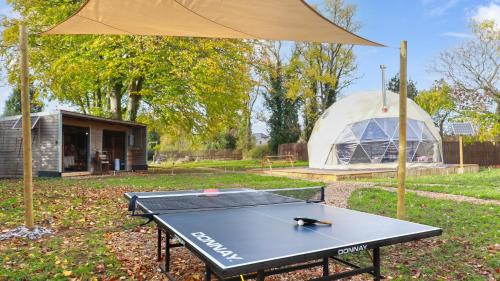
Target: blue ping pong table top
238 237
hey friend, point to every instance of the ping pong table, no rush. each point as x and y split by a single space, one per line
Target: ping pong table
246 233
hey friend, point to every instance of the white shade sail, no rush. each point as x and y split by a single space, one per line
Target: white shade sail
291 20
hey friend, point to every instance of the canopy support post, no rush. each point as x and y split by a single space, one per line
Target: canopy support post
26 123
402 130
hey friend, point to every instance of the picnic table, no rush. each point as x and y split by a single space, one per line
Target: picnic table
270 159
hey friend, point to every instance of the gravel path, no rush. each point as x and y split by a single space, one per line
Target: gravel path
338 193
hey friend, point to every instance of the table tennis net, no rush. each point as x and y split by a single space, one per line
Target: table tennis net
191 201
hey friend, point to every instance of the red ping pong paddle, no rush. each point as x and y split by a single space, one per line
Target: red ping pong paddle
211 192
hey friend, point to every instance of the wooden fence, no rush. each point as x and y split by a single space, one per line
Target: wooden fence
481 153
298 150
212 154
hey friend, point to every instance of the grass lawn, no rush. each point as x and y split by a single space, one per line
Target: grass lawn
233 164
485 184
87 213
83 212
468 249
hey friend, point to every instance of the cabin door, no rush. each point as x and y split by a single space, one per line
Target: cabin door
114 144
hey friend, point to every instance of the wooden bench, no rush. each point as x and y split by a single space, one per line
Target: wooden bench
268 160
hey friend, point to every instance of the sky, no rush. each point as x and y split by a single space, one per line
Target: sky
429 26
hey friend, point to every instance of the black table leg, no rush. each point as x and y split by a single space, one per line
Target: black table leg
158 250
167 252
208 273
326 270
376 263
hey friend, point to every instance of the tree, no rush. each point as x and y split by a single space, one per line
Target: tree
411 88
13 103
246 140
191 86
201 87
473 68
322 71
487 127
438 102
283 121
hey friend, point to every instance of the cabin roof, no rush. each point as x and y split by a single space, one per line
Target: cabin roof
79 116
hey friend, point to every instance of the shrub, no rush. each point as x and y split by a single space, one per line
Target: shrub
258 151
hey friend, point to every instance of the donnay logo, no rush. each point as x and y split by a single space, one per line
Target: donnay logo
352 249
216 246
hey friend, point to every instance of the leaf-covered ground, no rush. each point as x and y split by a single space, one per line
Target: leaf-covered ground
95 239
86 214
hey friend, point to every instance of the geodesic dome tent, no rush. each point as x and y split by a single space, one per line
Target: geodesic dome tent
355 130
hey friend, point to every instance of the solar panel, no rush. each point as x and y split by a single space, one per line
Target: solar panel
462 129
19 122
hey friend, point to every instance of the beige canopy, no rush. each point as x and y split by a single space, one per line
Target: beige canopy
246 19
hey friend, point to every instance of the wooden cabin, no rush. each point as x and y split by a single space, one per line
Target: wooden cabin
70 143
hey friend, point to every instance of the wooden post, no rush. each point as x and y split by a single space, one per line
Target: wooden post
26 122
461 144
402 131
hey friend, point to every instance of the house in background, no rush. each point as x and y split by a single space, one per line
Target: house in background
68 142
260 138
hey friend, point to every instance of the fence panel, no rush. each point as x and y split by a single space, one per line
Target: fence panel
481 153
299 150
212 154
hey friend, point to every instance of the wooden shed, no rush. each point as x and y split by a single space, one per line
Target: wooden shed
67 143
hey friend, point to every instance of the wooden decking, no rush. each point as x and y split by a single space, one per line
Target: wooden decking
339 175
75 174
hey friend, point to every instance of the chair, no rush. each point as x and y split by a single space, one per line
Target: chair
103 161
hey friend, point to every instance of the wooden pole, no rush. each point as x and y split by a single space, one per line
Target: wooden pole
26 122
461 144
402 130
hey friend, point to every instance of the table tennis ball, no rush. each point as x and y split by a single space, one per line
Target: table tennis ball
300 222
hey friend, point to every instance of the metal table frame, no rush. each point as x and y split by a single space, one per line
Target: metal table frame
261 274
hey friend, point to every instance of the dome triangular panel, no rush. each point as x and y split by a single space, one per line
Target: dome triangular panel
373 132
346 136
345 151
375 150
359 128
389 125
359 156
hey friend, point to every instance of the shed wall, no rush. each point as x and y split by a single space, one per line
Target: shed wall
44 146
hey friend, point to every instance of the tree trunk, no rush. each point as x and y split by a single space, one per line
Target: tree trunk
134 98
115 98
87 101
98 96
441 127
248 144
